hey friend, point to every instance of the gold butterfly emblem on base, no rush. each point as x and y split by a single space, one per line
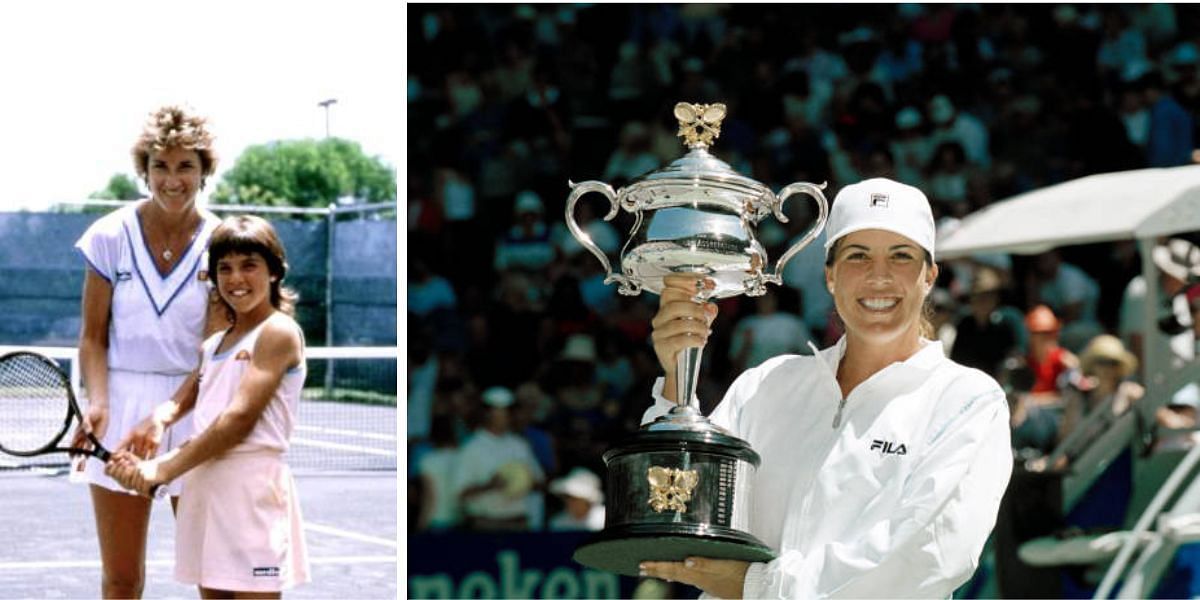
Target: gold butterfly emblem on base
671 489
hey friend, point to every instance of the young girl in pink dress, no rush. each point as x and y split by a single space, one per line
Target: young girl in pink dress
239 528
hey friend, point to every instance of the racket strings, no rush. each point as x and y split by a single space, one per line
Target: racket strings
34 403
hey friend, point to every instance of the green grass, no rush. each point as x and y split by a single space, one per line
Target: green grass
349 396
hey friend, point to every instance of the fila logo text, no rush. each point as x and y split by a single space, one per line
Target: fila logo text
886 448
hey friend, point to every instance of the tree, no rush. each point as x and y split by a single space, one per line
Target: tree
120 187
306 173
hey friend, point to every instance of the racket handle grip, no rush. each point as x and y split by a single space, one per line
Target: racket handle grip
159 491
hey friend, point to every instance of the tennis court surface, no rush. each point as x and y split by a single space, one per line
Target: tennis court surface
49 547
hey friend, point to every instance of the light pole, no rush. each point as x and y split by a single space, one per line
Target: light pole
326 104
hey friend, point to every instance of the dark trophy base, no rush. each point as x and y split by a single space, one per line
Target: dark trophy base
620 549
679 487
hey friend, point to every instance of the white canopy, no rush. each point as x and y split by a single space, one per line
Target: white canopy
1126 205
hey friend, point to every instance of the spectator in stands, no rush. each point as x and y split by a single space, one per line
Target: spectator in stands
1134 113
1103 394
427 291
583 502
953 125
1178 262
463 239
526 245
632 157
990 332
1123 48
438 470
944 318
530 413
613 367
910 148
769 332
1185 67
422 379
1170 141
1049 362
1034 421
1176 422
1070 292
497 470
602 233
805 274
949 180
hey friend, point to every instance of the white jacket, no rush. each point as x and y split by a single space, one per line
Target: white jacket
893 498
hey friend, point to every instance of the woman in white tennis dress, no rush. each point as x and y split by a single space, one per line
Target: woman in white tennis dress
239 527
146 310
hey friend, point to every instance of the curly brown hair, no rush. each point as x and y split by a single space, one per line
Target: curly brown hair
175 127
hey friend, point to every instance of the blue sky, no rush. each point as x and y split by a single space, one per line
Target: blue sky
78 78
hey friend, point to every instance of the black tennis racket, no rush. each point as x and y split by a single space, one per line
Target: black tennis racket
38 407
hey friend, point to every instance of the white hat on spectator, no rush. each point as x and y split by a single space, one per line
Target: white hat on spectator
908 118
579 347
498 397
1188 395
1065 14
1185 54
881 203
528 201
1178 258
579 483
941 109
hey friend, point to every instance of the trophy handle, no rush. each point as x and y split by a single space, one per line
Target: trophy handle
822 215
577 190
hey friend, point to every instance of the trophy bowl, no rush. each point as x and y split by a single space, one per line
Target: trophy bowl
681 485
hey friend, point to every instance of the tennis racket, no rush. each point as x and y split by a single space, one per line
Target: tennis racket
37 409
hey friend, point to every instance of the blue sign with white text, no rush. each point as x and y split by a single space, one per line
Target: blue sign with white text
511 565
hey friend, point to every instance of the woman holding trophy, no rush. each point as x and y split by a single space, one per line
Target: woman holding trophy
883 462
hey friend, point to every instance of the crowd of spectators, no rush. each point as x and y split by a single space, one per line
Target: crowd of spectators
971 103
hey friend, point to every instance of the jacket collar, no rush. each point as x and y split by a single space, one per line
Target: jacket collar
926 359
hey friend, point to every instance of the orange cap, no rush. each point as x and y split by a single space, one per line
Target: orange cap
1041 320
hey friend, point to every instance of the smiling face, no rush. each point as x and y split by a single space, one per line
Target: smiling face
174 176
244 282
879 281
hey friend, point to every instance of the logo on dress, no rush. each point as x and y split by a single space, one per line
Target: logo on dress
202 275
266 571
124 275
886 448
879 200
242 355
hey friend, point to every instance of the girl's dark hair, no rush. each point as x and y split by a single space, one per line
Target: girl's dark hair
927 329
248 234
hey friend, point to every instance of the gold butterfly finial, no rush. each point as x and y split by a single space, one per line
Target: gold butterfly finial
699 124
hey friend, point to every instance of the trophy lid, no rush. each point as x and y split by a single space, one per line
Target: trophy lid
699 126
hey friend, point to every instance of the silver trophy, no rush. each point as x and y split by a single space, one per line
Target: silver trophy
680 486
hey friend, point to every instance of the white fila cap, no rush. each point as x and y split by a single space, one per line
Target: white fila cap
881 203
